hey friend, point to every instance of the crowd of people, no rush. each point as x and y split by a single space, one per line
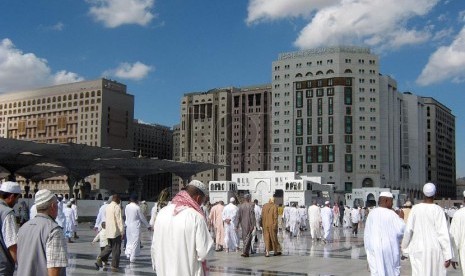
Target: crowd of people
190 228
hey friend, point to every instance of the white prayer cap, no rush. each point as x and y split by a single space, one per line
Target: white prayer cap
429 189
232 199
386 194
42 197
199 185
408 203
326 202
60 196
72 199
10 187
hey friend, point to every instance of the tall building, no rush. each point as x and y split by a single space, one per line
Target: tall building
176 180
250 129
440 140
335 116
205 133
96 113
228 126
153 140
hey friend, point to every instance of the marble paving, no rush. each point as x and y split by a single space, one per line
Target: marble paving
345 255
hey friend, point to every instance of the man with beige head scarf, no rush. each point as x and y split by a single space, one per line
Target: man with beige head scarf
270 228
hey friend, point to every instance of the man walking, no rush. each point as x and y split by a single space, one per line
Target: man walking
114 231
314 221
383 233
41 243
134 219
326 221
270 228
216 220
355 219
181 241
9 193
246 219
457 233
230 221
258 227
75 210
426 237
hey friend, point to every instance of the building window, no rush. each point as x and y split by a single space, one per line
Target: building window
309 126
320 107
320 168
298 127
309 107
299 140
320 125
298 163
320 92
330 91
348 95
330 125
348 124
330 106
309 93
348 163
299 99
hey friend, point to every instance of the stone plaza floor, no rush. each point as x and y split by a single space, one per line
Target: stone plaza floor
345 255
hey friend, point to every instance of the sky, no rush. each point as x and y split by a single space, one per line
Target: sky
162 49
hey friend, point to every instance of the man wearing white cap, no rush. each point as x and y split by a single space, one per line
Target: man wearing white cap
326 221
426 237
181 241
383 233
41 243
457 233
314 220
231 241
9 192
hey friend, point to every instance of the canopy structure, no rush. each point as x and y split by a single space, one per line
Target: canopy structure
38 161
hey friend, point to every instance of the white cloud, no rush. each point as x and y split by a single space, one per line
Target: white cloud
135 71
262 10
446 63
59 26
114 13
377 23
20 70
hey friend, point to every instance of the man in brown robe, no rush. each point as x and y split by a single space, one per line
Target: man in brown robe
246 219
270 228
216 220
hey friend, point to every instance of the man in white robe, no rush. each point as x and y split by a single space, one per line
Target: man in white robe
231 240
286 210
314 221
69 228
181 241
457 234
303 218
426 237
134 219
294 220
61 219
355 219
76 217
326 221
384 230
101 215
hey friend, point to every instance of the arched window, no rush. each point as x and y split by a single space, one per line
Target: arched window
309 74
319 73
299 75
329 72
348 71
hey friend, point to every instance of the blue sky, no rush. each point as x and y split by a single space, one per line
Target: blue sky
164 48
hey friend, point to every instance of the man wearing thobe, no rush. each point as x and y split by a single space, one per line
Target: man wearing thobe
231 241
326 221
383 233
270 228
246 219
347 217
134 219
61 220
216 220
355 219
286 210
303 218
457 234
294 220
406 210
69 228
426 237
314 220
75 210
101 215
181 241
336 215
258 218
